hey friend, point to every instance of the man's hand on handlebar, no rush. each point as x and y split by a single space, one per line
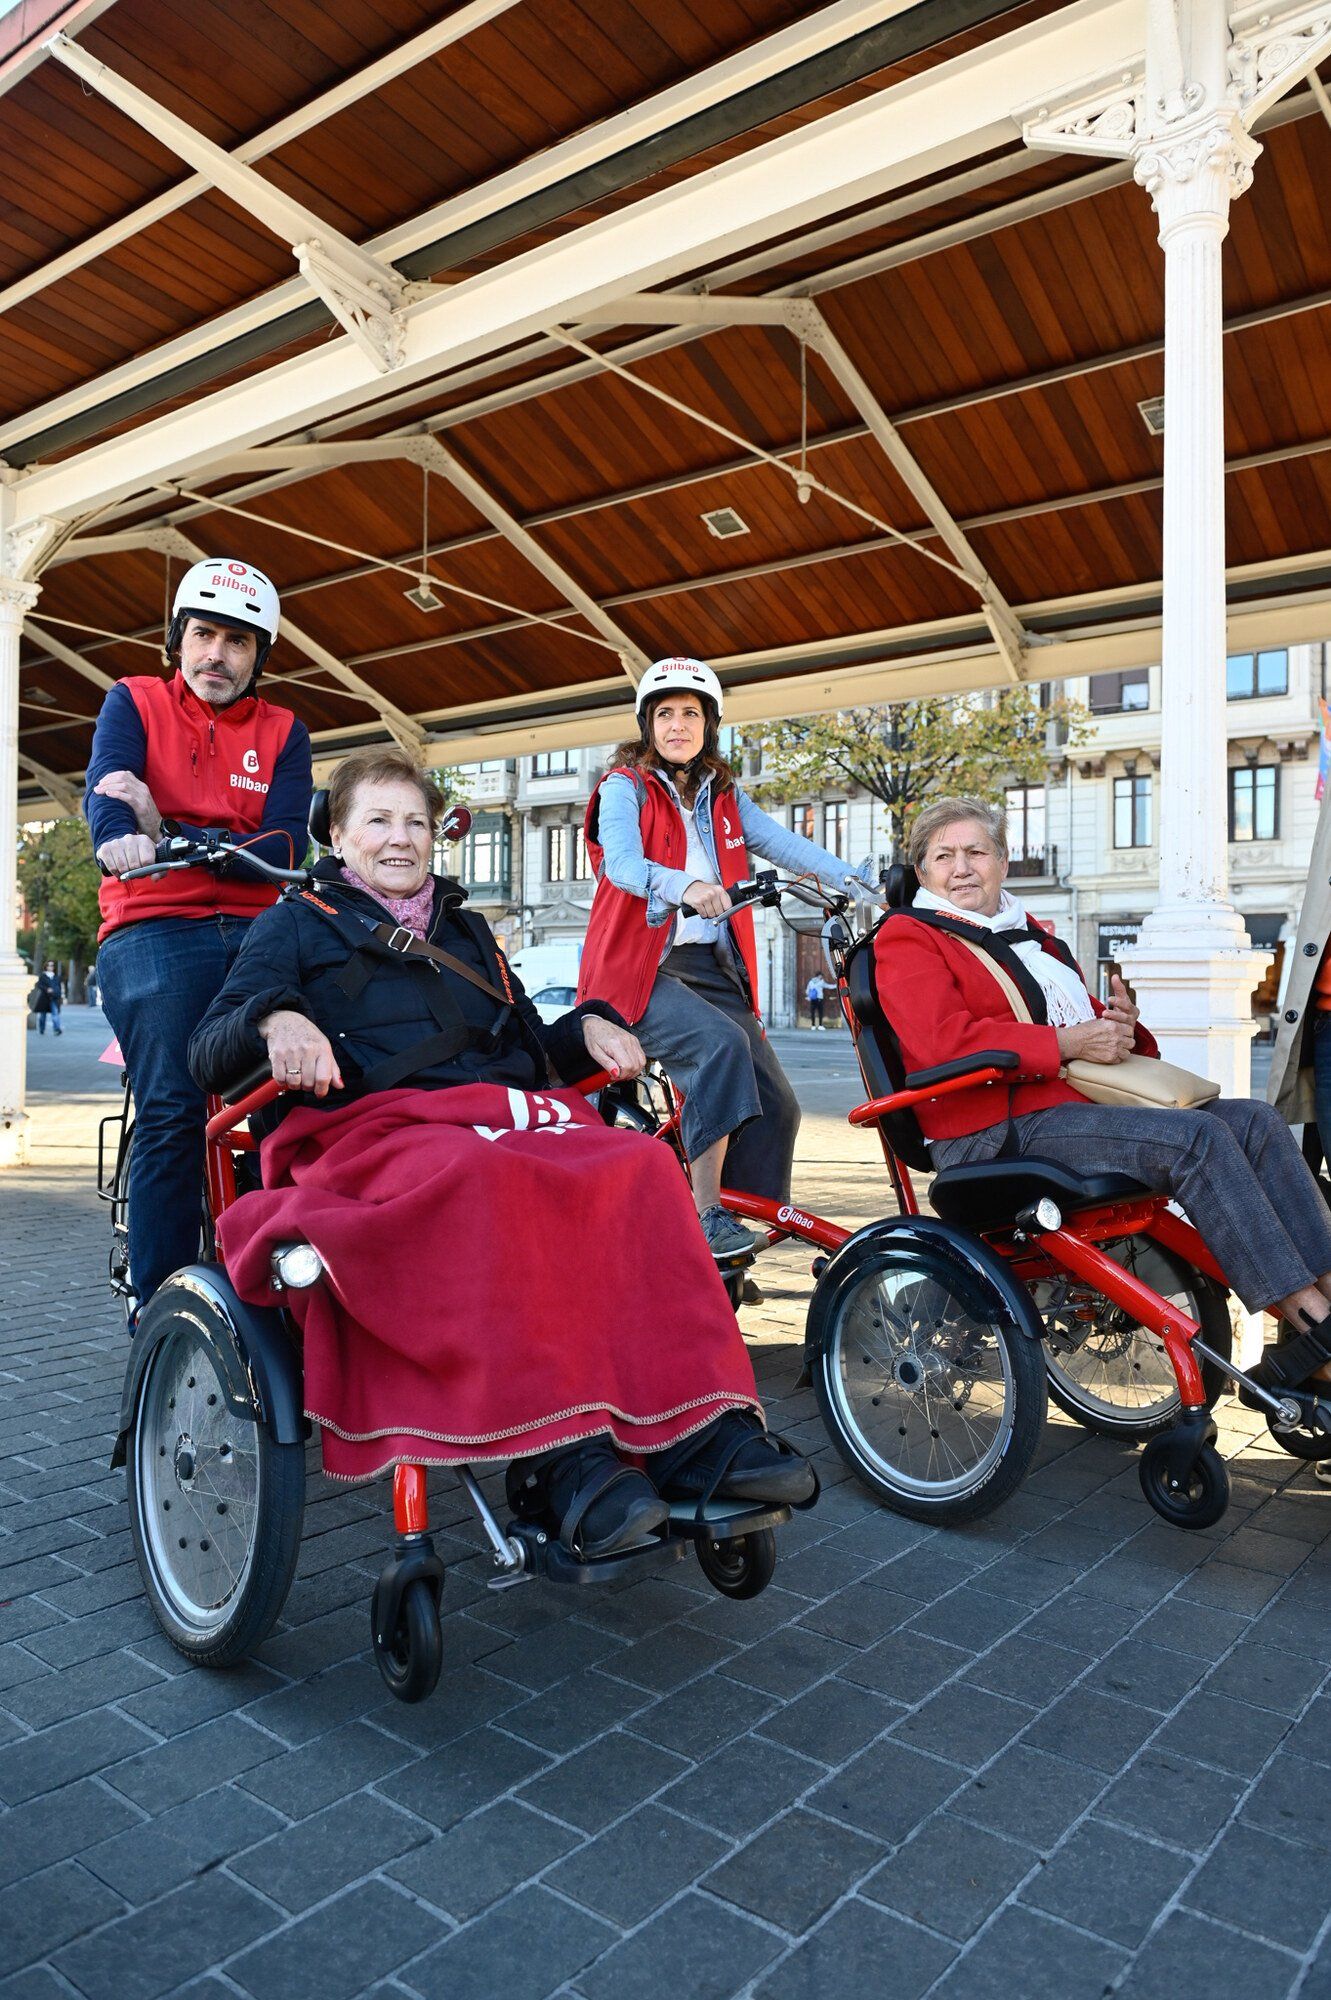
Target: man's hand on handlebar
612 1048
131 850
299 1054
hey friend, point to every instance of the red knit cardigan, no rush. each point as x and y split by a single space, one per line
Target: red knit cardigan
943 1004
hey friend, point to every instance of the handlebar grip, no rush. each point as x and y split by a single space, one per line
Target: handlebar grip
735 896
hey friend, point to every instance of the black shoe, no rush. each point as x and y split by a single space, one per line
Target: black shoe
588 1496
1292 1362
735 1458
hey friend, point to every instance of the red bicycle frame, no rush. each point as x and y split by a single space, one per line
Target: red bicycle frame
1071 1248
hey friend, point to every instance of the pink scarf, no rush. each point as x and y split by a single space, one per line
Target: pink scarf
412 912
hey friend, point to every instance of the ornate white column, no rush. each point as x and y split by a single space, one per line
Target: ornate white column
1193 968
16 600
1182 114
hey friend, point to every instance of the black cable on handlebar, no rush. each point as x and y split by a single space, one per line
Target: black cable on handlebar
177 851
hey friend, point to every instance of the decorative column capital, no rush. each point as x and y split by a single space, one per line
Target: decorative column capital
24 551
17 599
1194 171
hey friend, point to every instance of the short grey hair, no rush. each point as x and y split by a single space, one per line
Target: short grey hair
946 812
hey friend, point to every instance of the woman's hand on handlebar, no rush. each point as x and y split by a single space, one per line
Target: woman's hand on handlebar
611 1048
707 899
299 1054
1104 1041
132 850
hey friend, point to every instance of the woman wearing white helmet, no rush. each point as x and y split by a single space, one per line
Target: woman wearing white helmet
668 824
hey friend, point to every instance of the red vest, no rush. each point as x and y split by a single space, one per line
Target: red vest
623 952
210 767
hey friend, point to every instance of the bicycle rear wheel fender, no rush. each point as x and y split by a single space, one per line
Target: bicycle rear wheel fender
970 1264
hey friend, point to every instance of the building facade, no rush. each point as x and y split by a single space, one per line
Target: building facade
1084 842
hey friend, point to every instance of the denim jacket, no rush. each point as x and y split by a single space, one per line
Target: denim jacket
663 888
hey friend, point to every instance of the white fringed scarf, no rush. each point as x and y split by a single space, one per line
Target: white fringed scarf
1066 998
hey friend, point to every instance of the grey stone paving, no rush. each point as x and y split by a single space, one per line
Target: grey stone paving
1064 1752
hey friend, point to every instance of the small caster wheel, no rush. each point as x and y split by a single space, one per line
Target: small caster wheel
1198 1499
409 1657
740 1568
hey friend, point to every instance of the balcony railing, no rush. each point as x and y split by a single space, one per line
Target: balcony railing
490 788
1040 864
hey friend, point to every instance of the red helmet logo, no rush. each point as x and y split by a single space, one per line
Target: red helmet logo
237 569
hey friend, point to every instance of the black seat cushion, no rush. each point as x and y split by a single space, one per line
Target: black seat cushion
989 1194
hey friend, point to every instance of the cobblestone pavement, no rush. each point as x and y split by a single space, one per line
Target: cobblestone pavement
1064 1752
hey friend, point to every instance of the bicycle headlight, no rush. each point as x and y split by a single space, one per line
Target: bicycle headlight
1048 1213
296 1266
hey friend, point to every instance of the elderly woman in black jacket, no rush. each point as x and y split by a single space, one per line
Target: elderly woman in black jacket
482 1232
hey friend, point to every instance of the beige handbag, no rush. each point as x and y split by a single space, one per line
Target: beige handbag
1140 1082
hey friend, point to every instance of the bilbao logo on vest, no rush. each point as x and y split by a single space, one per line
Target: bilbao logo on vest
248 780
732 839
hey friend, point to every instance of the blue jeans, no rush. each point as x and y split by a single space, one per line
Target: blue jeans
54 1013
158 979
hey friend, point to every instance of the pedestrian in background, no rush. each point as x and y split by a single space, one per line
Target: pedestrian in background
814 993
50 998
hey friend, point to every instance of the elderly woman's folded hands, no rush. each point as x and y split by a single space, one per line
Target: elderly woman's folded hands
299 1054
1107 1040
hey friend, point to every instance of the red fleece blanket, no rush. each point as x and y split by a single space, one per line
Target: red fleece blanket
503 1274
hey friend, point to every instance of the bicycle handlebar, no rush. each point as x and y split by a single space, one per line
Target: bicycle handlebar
766 888
178 851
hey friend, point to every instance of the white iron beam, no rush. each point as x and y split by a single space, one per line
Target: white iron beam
60 790
770 57
417 49
1010 637
915 129
363 293
66 655
429 452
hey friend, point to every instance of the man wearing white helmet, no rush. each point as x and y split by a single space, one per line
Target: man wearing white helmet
205 752
669 825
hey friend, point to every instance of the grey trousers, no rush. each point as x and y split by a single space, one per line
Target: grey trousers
699 1027
1232 1165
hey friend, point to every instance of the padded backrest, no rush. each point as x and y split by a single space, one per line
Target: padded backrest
899 885
320 832
880 1052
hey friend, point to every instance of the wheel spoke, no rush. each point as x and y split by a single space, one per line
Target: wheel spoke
199 1480
924 1426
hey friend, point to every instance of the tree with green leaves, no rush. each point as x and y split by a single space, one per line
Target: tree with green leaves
907 752
58 881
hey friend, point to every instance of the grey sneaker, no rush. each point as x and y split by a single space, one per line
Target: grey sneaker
728 1240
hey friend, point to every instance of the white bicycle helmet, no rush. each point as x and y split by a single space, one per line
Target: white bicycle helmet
235 593
680 674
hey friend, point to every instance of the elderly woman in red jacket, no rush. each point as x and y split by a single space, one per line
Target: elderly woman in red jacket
1232 1164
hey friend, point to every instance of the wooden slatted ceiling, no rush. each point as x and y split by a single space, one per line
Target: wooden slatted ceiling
482 106
514 86
1073 284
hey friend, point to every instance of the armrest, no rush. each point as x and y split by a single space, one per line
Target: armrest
241 1086
920 1079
